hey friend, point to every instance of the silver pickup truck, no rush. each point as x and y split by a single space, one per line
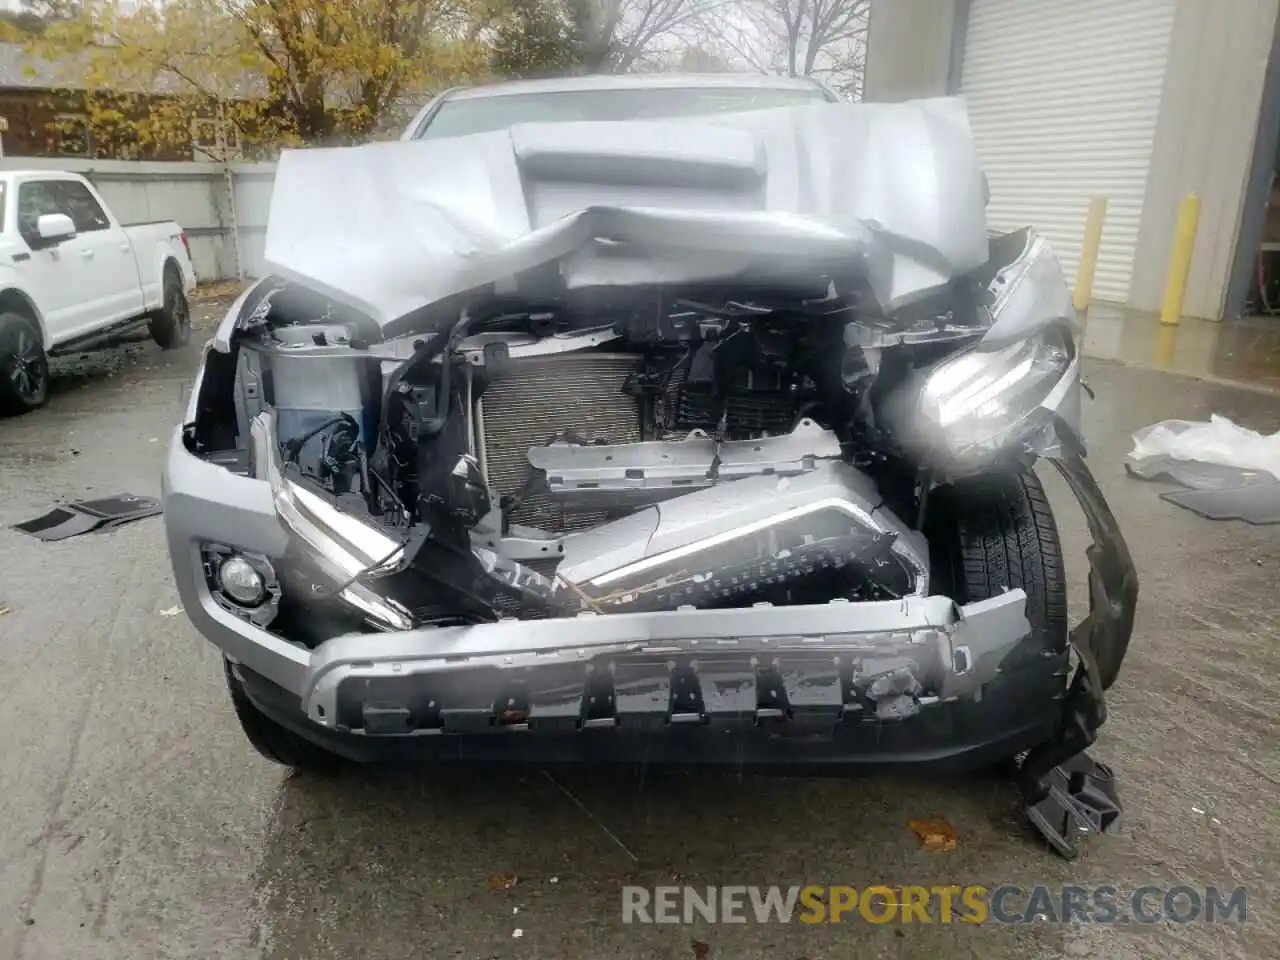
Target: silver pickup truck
693 421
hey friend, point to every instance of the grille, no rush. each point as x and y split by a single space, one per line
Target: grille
540 398
750 411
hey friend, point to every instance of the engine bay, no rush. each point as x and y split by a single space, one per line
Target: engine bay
616 451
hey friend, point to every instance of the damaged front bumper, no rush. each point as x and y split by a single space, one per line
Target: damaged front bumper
917 680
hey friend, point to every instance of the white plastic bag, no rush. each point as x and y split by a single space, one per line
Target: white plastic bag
1219 441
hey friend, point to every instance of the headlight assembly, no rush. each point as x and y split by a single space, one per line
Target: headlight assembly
976 403
333 547
984 399
349 545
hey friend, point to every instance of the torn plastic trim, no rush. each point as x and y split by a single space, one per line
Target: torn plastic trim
1069 795
1077 797
1103 636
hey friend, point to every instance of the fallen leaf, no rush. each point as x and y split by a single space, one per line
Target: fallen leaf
935 835
700 950
502 881
170 611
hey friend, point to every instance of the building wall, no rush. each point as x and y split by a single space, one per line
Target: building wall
1209 111
1205 133
908 48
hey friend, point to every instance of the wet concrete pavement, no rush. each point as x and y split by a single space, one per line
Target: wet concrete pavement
1246 352
137 823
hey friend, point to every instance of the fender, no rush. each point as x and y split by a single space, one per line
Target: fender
160 255
14 291
166 250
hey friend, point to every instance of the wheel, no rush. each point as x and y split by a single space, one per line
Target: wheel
276 743
995 532
170 326
24 368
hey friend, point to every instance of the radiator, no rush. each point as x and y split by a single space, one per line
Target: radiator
541 398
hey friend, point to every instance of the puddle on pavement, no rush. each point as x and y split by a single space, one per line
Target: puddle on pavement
1245 351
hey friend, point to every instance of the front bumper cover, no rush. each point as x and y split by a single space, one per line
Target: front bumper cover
918 679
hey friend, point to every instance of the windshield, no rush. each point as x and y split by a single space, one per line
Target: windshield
456 118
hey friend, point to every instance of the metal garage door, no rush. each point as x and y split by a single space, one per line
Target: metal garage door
1063 98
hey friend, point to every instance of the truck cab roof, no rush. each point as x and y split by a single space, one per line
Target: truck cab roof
479 109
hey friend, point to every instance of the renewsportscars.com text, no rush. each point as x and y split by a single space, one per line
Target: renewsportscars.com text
971 904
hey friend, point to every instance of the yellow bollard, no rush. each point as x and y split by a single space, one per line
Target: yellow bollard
1089 252
1184 239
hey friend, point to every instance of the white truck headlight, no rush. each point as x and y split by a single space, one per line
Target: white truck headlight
241 581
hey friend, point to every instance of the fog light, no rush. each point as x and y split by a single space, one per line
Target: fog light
241 581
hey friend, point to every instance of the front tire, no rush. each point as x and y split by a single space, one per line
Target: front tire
170 327
24 367
996 532
276 743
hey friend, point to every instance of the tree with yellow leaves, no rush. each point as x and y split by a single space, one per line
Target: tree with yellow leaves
244 74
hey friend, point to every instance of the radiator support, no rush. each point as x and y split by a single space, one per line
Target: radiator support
539 400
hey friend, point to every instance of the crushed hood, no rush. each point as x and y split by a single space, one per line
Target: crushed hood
390 227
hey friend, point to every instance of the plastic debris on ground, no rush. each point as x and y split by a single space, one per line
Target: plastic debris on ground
502 881
1217 441
84 516
1229 471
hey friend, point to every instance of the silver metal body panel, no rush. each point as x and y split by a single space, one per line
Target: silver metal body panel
638 473
684 526
896 187
950 652
954 650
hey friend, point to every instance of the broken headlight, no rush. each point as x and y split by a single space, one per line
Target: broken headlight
330 550
979 402
340 549
984 399
347 545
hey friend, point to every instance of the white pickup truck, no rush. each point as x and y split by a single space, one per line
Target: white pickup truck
72 276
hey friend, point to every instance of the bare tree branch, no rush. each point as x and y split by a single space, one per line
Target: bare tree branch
820 38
